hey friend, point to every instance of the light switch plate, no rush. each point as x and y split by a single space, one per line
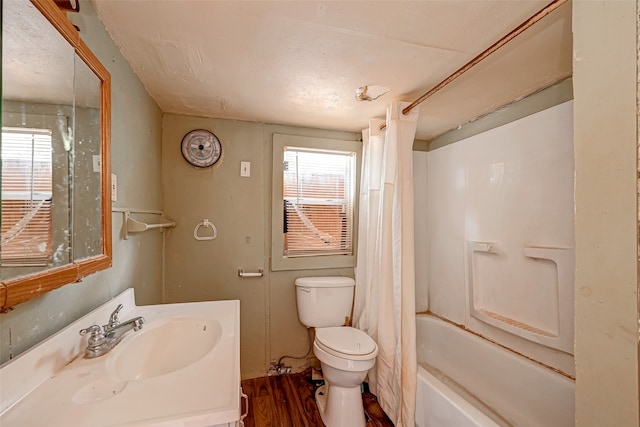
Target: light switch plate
97 163
245 169
114 187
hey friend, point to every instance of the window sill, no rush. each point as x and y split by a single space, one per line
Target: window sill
313 262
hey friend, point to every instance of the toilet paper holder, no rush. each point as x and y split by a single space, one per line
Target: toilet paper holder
243 273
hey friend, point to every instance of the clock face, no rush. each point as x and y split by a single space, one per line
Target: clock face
201 148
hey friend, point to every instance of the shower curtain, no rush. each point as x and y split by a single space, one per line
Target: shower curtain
385 277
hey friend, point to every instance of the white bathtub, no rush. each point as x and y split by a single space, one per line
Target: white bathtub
467 381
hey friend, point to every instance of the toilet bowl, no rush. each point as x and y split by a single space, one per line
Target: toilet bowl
346 354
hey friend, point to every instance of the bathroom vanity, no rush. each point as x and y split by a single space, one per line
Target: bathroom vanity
181 368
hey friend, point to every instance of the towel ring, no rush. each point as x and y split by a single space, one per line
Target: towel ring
205 223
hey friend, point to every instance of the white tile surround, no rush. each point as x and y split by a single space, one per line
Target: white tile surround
511 186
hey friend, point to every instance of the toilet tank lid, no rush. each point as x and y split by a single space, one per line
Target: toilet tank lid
325 282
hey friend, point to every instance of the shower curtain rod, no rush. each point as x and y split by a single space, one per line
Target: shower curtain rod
497 45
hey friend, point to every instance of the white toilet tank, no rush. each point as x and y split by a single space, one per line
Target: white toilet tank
324 301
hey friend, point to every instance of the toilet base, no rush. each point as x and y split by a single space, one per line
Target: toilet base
340 406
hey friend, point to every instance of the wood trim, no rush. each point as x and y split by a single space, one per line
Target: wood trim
105 121
58 19
92 61
20 289
24 288
93 265
3 296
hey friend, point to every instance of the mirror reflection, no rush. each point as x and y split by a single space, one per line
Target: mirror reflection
87 218
51 202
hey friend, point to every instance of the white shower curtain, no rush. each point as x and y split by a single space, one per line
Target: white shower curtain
385 275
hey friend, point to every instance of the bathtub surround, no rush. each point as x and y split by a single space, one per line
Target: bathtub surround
385 273
420 199
490 197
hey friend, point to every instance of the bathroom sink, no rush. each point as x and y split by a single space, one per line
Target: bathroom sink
163 346
192 349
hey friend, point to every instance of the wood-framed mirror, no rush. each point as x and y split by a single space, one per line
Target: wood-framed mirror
55 150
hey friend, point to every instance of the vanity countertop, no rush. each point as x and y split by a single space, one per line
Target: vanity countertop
53 384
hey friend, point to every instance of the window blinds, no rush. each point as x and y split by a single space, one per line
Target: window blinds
26 197
319 187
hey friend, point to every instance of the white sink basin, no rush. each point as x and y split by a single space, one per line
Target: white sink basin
162 347
181 368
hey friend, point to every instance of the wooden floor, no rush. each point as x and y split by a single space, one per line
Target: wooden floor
288 401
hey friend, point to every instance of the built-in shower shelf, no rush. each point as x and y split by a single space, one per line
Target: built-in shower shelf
501 320
560 335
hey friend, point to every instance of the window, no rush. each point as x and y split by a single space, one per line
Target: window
314 189
27 232
318 194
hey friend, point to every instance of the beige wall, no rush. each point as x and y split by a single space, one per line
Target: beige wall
136 122
240 208
605 121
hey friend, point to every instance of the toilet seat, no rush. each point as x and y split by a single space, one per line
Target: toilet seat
346 342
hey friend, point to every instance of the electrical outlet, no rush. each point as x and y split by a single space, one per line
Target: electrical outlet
276 369
273 370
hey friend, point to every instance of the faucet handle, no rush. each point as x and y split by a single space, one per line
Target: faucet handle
97 336
113 319
93 330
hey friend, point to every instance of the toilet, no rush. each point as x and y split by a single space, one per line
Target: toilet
346 354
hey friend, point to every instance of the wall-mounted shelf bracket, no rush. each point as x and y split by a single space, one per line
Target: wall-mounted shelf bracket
131 225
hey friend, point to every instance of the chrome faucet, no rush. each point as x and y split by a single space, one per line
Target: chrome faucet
104 338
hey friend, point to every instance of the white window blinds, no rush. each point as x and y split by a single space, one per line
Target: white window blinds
26 197
319 187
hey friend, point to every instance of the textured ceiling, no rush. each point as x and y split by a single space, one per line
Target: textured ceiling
37 62
301 62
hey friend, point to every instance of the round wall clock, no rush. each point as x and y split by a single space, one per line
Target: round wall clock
201 148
